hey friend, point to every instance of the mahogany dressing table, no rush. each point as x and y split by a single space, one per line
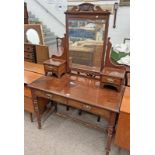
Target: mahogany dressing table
80 93
86 28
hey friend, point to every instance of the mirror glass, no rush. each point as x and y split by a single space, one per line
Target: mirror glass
32 36
86 43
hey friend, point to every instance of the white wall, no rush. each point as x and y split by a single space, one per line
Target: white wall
117 35
122 29
56 24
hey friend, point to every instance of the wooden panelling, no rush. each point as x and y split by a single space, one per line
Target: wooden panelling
122 138
27 91
28 104
42 53
33 67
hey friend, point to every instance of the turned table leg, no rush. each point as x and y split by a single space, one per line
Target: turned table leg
111 125
36 109
31 117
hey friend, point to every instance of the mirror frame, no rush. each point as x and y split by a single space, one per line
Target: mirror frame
38 28
87 11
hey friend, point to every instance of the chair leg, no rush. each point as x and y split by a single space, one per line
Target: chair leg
67 108
56 107
80 112
99 118
31 117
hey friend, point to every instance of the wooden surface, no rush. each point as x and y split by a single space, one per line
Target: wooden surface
56 66
122 138
113 72
42 53
54 62
30 76
81 90
33 67
30 53
81 93
84 68
125 106
35 53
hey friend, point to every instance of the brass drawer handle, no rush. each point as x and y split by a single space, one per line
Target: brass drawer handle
110 80
86 107
49 96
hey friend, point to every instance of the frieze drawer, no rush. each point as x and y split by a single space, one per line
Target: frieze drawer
51 96
89 108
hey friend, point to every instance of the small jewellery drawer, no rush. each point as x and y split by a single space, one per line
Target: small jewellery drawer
29 48
50 96
112 80
28 55
50 68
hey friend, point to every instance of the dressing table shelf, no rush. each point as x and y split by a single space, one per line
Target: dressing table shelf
56 66
113 77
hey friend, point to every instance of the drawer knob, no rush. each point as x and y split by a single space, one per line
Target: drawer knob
86 107
49 96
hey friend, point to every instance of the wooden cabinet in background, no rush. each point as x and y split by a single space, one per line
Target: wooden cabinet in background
122 138
29 77
35 53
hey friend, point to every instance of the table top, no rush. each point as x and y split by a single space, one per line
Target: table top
33 67
81 89
125 106
30 76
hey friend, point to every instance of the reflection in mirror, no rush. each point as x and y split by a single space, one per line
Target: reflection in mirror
60 46
32 36
86 43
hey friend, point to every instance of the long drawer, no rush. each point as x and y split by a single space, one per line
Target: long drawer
73 103
89 108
